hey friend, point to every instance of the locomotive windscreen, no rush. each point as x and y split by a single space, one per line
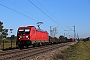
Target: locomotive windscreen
24 31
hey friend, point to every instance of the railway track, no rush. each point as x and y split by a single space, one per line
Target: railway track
86 47
18 54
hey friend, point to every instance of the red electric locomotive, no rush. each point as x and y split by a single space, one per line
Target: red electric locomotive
29 35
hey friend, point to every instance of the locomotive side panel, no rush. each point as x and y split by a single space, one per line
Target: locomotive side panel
33 34
38 35
42 36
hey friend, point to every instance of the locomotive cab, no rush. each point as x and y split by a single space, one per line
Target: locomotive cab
23 37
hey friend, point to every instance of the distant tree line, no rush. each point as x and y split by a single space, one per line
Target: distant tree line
60 37
86 39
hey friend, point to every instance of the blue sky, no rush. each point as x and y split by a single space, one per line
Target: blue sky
63 13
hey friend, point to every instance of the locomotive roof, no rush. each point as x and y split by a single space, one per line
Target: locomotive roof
27 26
41 30
32 26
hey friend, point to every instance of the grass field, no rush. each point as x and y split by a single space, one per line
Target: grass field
76 52
7 45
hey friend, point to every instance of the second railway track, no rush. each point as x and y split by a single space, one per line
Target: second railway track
87 48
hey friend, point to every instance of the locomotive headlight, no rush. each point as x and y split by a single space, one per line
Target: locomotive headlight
20 37
27 36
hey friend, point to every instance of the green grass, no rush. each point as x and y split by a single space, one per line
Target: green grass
76 52
7 45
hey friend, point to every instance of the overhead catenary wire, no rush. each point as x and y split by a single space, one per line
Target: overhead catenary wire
29 12
44 13
47 11
18 6
23 9
43 7
20 13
